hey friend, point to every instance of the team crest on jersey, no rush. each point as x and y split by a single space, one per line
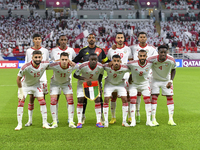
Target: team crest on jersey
110 71
146 69
96 72
87 53
155 63
86 72
115 52
125 51
58 72
58 54
120 72
166 64
31 72
136 70
69 71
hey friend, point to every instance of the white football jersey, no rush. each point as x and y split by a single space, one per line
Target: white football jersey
124 53
139 73
115 77
151 50
162 70
45 55
31 74
87 72
60 75
55 53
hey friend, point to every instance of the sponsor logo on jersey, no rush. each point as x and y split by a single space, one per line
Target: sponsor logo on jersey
87 53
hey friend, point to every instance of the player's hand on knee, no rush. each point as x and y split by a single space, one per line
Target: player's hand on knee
20 94
114 46
169 84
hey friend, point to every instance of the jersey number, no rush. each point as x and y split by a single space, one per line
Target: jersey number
91 75
36 74
160 67
63 75
141 73
121 55
114 75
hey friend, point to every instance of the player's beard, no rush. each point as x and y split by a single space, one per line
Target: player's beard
37 62
116 66
91 42
142 61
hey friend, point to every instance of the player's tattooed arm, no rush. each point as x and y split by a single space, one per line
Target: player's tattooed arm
19 83
89 83
169 84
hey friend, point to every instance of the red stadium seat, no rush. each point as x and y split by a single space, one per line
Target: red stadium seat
195 49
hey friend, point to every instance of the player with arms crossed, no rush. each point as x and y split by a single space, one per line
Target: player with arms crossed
55 56
139 83
163 65
151 51
61 80
43 80
32 72
90 71
125 53
115 83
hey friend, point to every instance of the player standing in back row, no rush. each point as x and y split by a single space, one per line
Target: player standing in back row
43 80
162 66
151 51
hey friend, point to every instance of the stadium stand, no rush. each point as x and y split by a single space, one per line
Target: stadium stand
19 4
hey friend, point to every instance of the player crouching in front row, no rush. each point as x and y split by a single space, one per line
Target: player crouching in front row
61 80
162 66
139 74
114 83
32 72
90 71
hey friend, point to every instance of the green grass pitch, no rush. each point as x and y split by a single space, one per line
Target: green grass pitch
186 135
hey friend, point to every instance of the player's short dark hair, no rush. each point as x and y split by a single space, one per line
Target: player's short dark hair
36 35
62 35
142 33
116 56
162 46
142 50
93 54
36 52
64 54
120 33
91 34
